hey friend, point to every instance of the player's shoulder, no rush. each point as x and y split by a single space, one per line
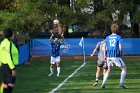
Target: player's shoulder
118 36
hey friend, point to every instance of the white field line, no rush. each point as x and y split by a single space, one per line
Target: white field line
62 83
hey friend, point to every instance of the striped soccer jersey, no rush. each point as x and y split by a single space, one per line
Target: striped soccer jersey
112 44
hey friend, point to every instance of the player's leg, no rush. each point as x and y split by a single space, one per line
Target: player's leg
1 87
51 70
97 75
119 62
58 65
100 63
104 68
123 74
106 75
52 62
8 79
1 81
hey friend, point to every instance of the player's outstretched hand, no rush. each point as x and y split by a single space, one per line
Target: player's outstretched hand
91 55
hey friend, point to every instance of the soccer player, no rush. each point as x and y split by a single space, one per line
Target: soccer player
100 62
113 54
8 60
55 57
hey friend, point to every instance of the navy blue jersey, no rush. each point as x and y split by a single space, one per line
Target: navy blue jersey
55 49
112 44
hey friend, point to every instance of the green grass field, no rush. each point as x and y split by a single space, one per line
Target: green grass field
33 78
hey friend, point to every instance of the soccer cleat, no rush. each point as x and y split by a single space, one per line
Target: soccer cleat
123 87
95 84
50 74
57 75
103 86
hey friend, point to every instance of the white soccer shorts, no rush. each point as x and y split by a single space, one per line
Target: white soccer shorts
117 61
55 59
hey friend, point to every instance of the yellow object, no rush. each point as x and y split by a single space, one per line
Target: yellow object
1 87
5 56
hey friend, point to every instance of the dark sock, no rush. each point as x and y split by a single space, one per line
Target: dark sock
5 90
14 79
10 89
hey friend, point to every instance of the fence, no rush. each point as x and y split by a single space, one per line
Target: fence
41 47
24 53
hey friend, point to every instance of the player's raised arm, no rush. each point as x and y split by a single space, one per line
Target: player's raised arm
51 38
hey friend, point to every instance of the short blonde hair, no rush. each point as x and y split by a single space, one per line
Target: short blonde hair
114 27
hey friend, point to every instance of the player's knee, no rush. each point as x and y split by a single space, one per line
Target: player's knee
58 64
123 68
51 66
11 84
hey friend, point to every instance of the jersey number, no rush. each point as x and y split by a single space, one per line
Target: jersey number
112 42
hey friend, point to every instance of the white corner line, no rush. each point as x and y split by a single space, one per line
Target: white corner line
62 83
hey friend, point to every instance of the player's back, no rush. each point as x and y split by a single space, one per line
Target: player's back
112 43
101 49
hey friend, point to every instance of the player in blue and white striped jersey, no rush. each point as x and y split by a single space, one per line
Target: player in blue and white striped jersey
113 55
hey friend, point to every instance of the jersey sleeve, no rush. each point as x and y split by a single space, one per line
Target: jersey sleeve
15 54
6 56
120 40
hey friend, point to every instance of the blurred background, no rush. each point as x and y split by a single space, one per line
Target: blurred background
74 18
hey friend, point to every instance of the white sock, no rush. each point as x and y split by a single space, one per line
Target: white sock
123 74
52 70
96 79
58 70
105 78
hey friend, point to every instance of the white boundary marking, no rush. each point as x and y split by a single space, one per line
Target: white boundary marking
62 83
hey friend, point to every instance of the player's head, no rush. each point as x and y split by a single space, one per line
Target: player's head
8 33
114 28
56 38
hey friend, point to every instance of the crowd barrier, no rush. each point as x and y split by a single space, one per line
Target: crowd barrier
71 46
42 47
24 53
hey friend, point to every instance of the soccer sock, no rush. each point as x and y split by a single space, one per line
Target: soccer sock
58 70
105 78
5 90
123 74
52 70
96 79
10 89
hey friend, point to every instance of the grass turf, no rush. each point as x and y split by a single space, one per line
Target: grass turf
33 78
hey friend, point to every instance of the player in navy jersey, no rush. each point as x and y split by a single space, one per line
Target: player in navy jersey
55 56
100 63
113 54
